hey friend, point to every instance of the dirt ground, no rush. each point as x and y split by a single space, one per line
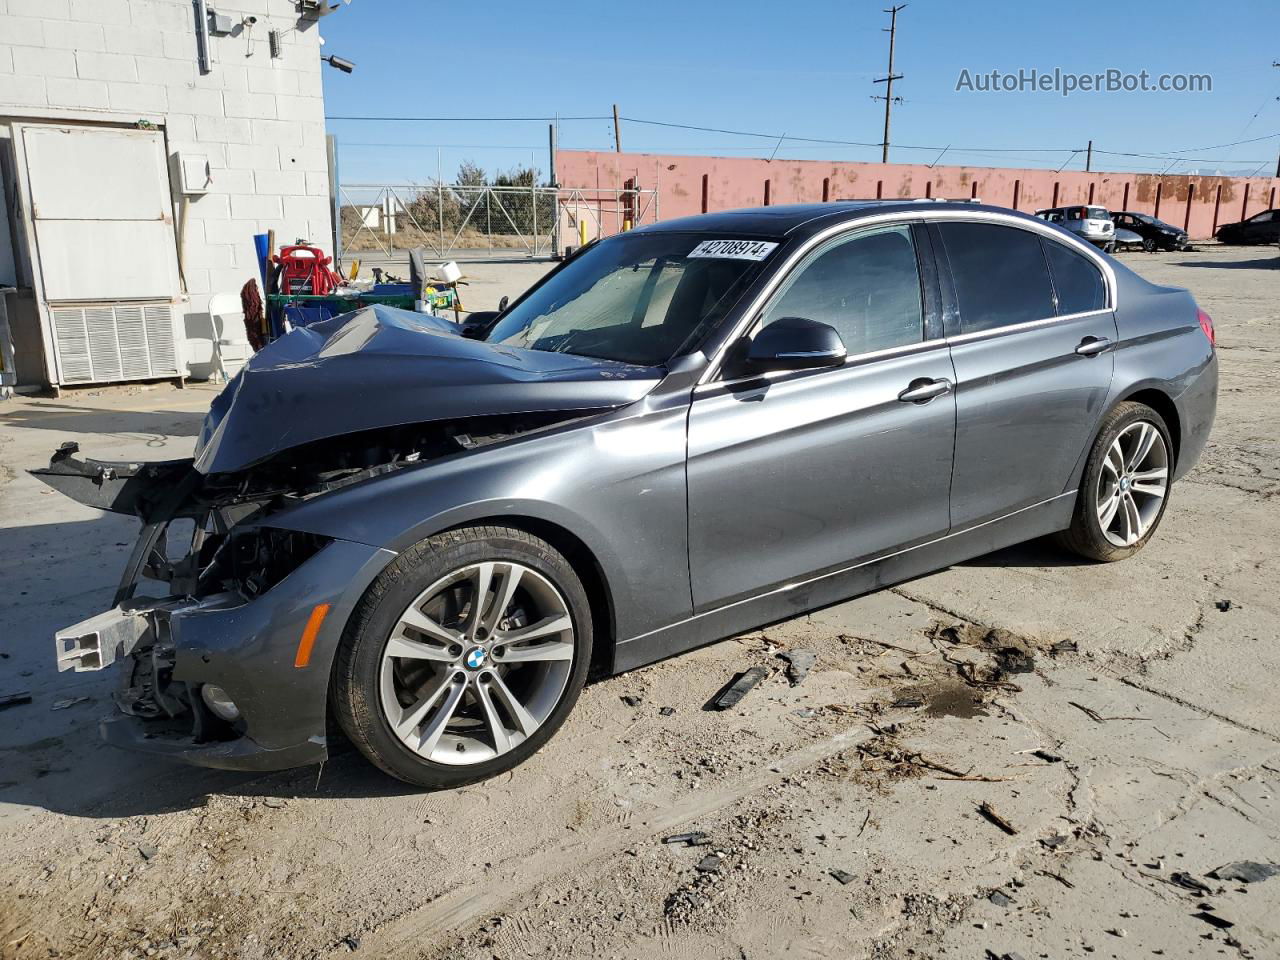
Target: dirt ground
1019 756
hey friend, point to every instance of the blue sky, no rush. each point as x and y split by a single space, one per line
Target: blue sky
802 69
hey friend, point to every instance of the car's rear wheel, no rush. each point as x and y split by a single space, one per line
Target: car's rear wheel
1125 488
464 656
1148 245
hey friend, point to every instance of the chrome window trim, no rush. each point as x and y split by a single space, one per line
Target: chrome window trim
1025 325
1031 224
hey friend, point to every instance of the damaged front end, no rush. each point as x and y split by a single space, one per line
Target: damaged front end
208 620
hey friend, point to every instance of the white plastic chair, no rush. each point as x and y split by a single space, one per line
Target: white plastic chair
228 344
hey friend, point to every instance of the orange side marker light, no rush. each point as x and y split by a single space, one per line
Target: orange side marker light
309 633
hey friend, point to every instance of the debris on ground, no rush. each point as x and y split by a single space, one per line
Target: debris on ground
843 877
666 711
1046 756
1246 871
1000 898
989 812
1064 646
631 700
148 850
1181 878
907 703
805 713
709 864
351 943
1096 717
1222 923
695 838
1223 605
1014 660
68 702
799 663
8 700
737 688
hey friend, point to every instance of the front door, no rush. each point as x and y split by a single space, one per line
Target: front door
807 472
1033 365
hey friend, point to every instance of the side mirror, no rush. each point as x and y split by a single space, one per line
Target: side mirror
477 323
795 343
502 304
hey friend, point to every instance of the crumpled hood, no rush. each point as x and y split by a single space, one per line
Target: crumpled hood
381 367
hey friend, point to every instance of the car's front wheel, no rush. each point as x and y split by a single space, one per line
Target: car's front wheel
464 656
1125 487
1148 245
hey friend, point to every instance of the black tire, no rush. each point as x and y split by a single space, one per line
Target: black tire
1085 535
354 686
1148 245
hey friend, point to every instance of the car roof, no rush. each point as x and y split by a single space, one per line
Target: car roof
785 220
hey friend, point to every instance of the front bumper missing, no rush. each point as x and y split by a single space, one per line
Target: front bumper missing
167 649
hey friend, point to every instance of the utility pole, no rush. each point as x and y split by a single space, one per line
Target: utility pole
617 131
888 97
1088 158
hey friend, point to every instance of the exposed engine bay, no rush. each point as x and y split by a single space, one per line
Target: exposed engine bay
206 543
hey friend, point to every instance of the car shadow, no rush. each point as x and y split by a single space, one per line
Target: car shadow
1261 263
1042 552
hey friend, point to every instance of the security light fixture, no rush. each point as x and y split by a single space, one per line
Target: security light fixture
346 66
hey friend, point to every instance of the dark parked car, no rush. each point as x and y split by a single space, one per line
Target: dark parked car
1155 234
681 433
1262 227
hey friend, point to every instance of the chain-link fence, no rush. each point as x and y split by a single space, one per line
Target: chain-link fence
462 221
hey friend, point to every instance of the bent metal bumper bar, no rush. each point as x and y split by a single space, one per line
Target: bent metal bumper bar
98 642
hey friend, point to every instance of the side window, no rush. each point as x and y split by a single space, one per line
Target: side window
1078 282
867 287
1000 275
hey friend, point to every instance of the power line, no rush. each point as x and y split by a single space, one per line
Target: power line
794 139
462 119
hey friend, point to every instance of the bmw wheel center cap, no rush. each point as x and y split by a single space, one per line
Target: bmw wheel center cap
476 657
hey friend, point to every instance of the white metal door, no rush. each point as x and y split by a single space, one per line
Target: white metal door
101 218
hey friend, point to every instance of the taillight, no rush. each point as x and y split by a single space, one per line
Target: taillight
1206 324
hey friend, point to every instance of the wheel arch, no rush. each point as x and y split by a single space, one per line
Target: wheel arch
1149 394
589 570
1163 404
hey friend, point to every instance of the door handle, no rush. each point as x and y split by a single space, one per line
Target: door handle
923 390
1092 346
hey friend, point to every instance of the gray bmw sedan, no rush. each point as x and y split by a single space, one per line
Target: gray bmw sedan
434 535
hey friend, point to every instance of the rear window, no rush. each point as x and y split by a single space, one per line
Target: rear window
1098 213
1077 281
1000 275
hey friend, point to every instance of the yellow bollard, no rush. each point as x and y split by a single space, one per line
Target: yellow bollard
626 225
582 233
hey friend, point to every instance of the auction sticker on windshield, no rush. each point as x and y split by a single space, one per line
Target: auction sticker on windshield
733 249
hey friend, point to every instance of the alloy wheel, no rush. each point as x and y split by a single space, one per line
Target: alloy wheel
477 663
1132 483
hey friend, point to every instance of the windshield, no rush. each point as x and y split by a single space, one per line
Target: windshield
636 297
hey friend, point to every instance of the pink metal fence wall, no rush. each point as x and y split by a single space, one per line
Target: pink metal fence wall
690 185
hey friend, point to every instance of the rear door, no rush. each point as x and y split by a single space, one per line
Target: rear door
1032 354
797 474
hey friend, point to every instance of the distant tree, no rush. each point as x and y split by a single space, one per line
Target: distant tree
518 176
471 174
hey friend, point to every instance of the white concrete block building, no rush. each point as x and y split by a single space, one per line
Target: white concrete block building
139 156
